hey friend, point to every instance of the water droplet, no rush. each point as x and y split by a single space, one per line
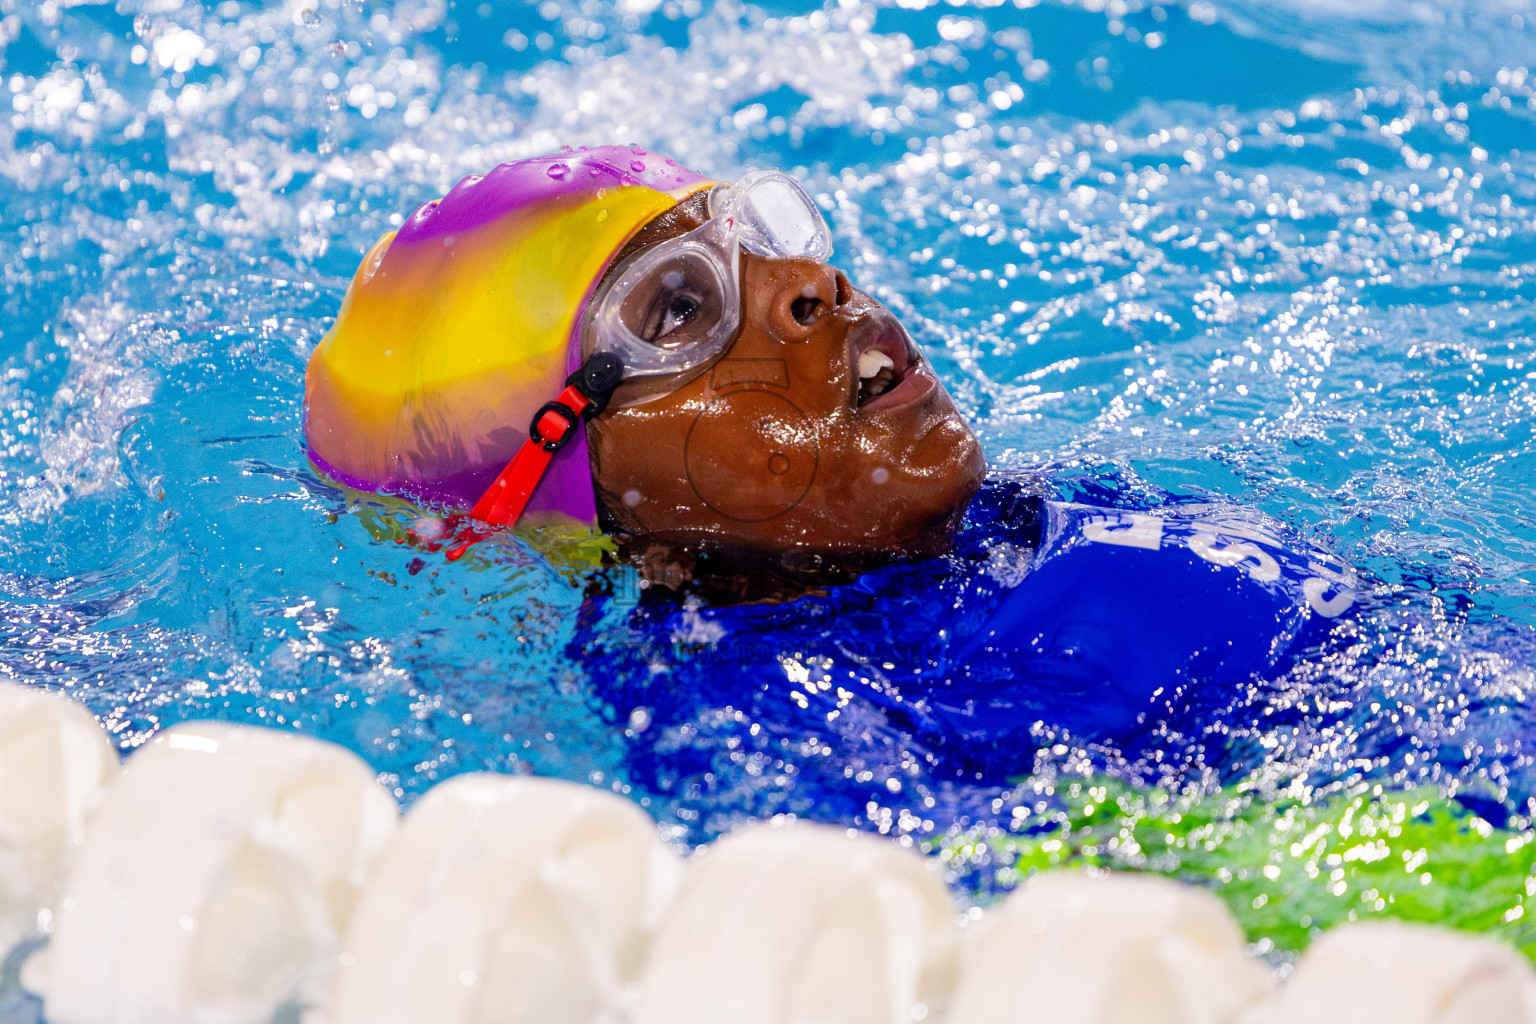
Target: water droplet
308 18
567 149
558 171
637 166
638 151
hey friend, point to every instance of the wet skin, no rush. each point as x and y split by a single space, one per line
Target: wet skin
770 448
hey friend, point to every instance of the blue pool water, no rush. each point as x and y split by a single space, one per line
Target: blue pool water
1280 253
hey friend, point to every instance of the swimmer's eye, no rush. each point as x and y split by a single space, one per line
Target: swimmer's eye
671 309
676 305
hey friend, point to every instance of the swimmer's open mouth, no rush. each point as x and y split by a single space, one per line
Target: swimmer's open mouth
884 360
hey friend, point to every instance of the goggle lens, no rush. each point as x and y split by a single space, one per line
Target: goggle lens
776 218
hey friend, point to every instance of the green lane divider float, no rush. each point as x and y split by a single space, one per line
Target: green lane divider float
1290 865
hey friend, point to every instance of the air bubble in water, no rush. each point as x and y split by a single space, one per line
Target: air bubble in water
308 18
558 171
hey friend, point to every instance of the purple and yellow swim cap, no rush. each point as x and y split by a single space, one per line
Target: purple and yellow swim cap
460 325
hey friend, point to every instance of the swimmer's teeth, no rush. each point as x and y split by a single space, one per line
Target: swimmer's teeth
872 362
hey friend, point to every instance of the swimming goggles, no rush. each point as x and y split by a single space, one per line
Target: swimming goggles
669 310
675 306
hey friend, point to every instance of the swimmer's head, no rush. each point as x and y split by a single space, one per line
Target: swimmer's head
766 404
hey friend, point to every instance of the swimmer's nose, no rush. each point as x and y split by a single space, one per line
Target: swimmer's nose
810 294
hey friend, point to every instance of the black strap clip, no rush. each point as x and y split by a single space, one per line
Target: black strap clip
597 378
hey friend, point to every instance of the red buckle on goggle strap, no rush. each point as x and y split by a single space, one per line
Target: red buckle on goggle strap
586 394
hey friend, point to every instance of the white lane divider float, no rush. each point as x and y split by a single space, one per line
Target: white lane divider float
1405 974
802 922
1114 949
215 877
54 760
507 899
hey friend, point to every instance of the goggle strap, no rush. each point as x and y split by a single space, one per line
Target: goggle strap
586 394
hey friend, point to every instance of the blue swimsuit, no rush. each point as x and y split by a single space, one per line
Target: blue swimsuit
1118 617
1052 620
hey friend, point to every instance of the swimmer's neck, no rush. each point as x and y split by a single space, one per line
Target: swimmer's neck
732 573
673 571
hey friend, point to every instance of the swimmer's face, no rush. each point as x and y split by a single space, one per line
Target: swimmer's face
781 444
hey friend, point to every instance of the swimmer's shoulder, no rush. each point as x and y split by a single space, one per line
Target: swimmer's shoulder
1023 531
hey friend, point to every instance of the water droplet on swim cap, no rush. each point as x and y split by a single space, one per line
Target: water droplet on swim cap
638 151
558 171
637 166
